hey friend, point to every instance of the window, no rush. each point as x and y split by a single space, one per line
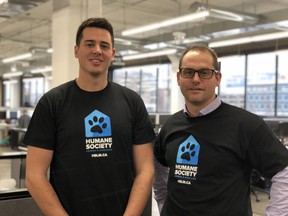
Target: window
33 89
261 80
282 91
151 82
232 87
10 90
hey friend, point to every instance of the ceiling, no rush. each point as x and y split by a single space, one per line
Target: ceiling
25 26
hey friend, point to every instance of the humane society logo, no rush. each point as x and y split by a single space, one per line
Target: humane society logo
187 161
98 134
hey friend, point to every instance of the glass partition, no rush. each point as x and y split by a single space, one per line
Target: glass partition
282 84
151 82
232 87
261 79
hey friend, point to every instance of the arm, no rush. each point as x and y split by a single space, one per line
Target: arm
37 164
141 189
160 183
278 204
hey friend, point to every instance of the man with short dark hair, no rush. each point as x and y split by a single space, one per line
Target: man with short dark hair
95 135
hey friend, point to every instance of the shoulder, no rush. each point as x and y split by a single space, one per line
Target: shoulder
230 109
176 118
60 91
58 95
177 115
239 116
122 90
61 88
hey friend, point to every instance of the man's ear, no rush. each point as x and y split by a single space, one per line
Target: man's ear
76 51
178 77
218 77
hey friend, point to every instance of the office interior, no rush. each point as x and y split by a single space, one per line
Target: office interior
36 54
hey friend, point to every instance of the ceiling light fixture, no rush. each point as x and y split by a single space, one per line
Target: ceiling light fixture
12 74
227 15
149 54
17 58
249 39
202 13
122 41
3 1
49 50
165 23
42 70
10 82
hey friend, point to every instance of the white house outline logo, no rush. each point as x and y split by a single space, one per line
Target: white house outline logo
97 124
188 152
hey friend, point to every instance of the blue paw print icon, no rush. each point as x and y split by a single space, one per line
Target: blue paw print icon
188 152
97 124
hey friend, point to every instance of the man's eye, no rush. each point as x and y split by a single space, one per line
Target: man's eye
204 72
89 44
189 72
104 46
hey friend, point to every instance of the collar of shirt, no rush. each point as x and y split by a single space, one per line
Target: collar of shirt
208 109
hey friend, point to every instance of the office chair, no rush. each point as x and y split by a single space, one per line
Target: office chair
274 126
259 183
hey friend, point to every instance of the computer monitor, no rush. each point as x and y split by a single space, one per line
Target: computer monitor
153 119
2 114
163 118
14 115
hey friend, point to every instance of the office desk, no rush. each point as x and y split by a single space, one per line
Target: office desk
18 164
11 135
16 138
4 136
18 202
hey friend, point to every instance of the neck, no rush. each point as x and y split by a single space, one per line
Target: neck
192 109
91 84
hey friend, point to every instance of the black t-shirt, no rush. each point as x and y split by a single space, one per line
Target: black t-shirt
91 135
211 158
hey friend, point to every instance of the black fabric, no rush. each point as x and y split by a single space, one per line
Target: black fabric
91 175
231 143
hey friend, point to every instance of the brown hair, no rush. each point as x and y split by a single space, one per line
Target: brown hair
202 48
97 23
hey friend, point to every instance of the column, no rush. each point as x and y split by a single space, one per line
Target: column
67 16
177 99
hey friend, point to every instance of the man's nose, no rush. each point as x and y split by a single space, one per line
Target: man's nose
97 49
196 76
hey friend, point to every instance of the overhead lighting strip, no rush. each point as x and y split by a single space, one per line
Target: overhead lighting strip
17 58
165 23
49 50
214 13
42 70
3 1
149 54
249 39
12 74
227 15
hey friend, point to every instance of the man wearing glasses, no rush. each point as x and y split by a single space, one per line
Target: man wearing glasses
211 148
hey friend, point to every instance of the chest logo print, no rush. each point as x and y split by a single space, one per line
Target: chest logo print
188 152
186 166
97 124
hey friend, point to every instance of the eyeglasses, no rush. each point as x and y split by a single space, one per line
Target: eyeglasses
188 73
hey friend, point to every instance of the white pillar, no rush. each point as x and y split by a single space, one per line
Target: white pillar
67 16
15 93
177 99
